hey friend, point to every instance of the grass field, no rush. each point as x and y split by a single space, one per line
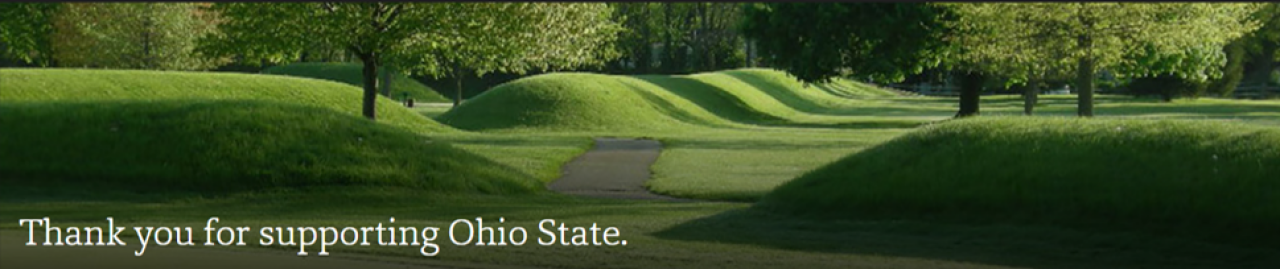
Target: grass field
351 73
733 135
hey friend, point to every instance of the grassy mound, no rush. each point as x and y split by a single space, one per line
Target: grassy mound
775 98
1208 176
582 101
578 102
211 146
84 85
350 73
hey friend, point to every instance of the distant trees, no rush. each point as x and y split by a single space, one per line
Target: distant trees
876 41
158 36
819 41
678 37
1262 46
25 29
106 35
1129 39
512 38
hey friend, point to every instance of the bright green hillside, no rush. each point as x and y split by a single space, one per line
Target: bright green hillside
83 85
351 73
146 130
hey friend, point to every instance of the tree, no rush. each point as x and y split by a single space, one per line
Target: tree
1261 45
428 38
693 36
1233 72
1131 39
981 44
515 38
130 35
279 31
25 29
819 41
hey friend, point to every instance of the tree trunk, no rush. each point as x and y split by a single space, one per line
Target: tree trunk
370 61
1084 87
970 94
148 25
457 79
1030 96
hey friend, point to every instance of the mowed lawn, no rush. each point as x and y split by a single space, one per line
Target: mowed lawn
722 142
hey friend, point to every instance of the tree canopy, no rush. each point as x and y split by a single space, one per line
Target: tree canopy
25 29
158 36
1129 39
424 38
818 41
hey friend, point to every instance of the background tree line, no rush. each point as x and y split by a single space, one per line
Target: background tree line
674 38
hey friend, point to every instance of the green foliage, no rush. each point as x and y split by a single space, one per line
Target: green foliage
1233 72
159 36
818 41
350 74
78 85
218 146
1129 39
511 37
423 38
25 29
693 37
1211 177
1134 39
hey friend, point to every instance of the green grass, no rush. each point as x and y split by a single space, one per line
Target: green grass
731 135
743 165
351 73
1212 177
735 98
188 131
225 146
577 102
737 134
86 85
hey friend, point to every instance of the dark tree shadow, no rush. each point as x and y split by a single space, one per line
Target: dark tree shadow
1008 245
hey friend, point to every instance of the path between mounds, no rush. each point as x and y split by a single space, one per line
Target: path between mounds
614 168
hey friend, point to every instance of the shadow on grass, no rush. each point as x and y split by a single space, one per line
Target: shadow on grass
131 149
1009 245
714 100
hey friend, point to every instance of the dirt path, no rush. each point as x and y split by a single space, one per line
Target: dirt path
615 168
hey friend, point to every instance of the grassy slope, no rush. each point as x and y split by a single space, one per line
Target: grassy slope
350 73
699 235
222 132
746 160
220 146
82 85
1211 176
593 102
579 102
